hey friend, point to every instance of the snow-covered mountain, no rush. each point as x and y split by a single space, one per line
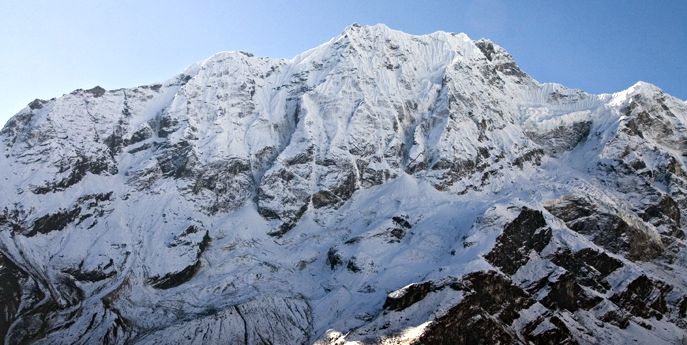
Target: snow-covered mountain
380 188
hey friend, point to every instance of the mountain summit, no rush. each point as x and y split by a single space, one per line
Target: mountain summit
380 188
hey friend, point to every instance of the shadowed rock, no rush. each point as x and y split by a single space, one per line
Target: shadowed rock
484 316
644 297
54 221
176 278
410 295
605 229
566 293
527 232
10 294
589 267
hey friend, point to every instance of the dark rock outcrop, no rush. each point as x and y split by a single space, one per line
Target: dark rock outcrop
644 297
10 293
54 221
605 228
187 240
527 232
76 169
411 294
484 316
589 267
553 333
566 293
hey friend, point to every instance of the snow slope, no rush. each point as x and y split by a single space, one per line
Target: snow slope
379 188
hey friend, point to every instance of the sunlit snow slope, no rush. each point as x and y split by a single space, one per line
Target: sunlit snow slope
380 188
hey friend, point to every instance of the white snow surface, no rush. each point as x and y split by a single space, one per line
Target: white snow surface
409 117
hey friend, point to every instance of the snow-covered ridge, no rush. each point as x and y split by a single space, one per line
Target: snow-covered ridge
378 188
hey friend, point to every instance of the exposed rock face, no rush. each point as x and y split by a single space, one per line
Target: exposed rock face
589 267
191 240
525 233
607 229
380 188
644 297
10 294
491 303
409 296
554 294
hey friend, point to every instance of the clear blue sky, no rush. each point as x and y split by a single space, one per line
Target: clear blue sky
48 48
